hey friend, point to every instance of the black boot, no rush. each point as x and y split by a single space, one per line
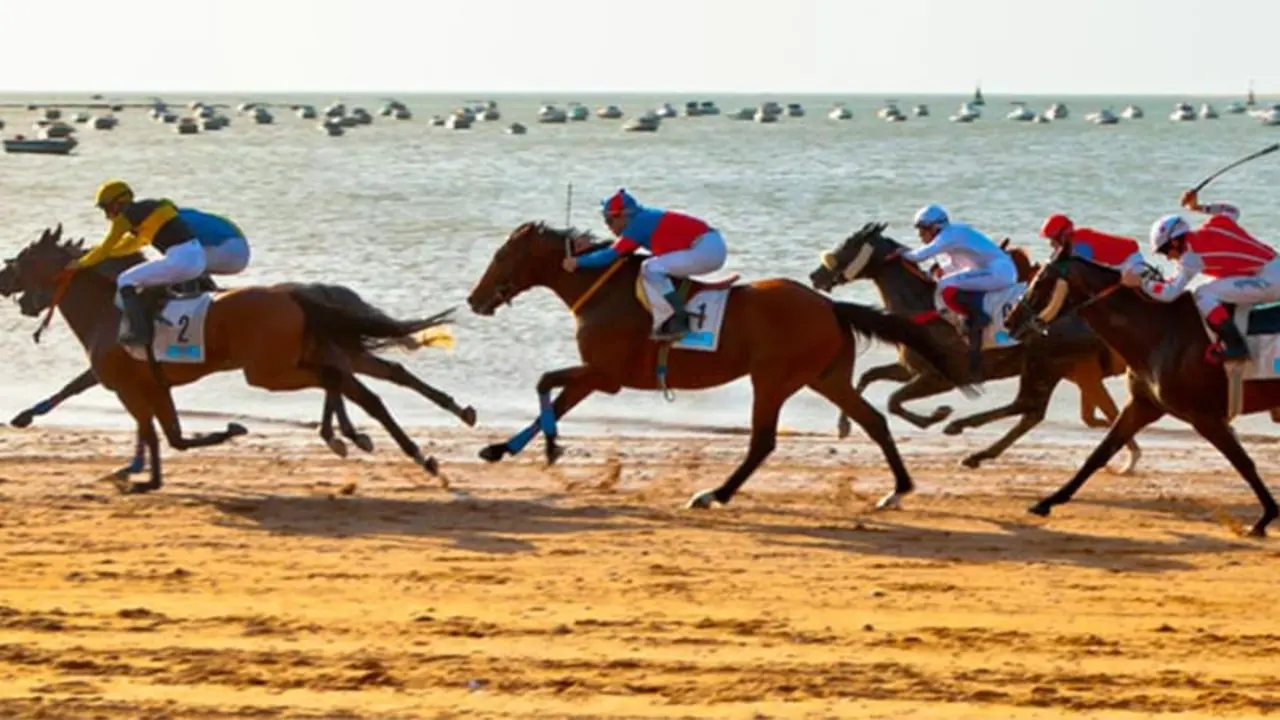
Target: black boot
678 324
139 330
1234 347
975 324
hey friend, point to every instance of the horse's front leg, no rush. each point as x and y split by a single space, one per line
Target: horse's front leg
82 382
579 382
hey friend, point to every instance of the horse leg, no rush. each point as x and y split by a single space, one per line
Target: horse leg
566 400
367 363
369 401
766 406
1031 403
137 406
1219 433
1139 413
834 388
348 429
335 406
895 371
82 382
921 386
1093 389
167 414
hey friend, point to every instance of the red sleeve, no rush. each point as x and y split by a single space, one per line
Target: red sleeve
625 245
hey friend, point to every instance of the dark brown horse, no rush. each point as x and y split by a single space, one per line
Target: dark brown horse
1071 351
283 337
1164 345
778 332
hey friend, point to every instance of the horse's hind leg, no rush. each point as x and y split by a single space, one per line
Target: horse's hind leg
1032 402
766 405
1095 394
367 363
921 386
369 401
167 414
835 387
1218 432
896 372
335 406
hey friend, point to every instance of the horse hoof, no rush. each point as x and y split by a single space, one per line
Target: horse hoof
140 488
954 428
704 500
892 501
430 465
843 428
236 430
363 442
468 416
972 462
942 413
22 419
1258 531
336 445
493 453
1041 508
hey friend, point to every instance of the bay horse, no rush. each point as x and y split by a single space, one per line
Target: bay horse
1071 351
288 336
781 334
1164 345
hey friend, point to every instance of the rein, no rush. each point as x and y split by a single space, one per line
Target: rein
595 287
61 282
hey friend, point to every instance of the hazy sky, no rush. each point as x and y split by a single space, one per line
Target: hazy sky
875 46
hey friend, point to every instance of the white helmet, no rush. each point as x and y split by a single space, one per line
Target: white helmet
1167 229
932 215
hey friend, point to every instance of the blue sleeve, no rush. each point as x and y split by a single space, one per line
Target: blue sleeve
598 258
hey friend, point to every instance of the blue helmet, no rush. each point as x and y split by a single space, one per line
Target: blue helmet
619 204
932 216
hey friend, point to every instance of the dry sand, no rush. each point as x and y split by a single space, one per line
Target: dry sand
252 587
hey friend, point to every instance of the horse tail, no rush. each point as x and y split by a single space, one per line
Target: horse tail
339 315
868 322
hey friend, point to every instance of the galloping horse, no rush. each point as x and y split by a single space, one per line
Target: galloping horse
1071 351
1165 347
284 337
778 332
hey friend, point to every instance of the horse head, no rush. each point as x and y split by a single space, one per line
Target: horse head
531 255
1064 284
31 274
861 255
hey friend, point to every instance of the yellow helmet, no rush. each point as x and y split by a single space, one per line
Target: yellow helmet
113 191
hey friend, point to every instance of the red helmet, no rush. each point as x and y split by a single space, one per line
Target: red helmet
1055 226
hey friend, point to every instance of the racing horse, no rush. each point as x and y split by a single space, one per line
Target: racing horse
1071 351
1165 346
781 334
288 336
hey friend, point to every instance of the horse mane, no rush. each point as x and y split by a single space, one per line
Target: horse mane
74 248
571 234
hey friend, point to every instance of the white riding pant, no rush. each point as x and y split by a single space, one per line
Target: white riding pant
707 254
1255 290
188 261
998 275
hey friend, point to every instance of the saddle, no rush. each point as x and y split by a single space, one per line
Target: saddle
159 296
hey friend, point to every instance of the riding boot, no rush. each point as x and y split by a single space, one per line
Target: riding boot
139 327
1234 347
678 324
975 323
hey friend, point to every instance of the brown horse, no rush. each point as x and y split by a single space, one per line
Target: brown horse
1070 352
283 337
778 332
1164 345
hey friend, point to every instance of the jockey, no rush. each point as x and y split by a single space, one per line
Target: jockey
220 247
1245 270
1113 251
681 245
977 265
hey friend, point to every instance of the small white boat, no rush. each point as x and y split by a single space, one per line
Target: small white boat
516 129
692 109
1021 113
1131 112
1207 112
1057 111
609 112
552 114
104 122
920 110
1182 112
1269 116
708 107
332 127
742 114
187 126
40 145
665 111
648 122
458 121
1236 108
966 113
489 112
1102 117
362 116
211 124
436 121
335 110
840 112
762 115
795 110
52 114
262 116
770 108
80 118
402 114
578 113
890 113
55 129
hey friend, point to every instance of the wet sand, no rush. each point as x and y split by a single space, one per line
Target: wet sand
270 579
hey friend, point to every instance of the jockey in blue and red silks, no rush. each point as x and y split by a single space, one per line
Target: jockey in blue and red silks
682 246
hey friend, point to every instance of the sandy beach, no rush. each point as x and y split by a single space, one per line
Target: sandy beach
271 579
